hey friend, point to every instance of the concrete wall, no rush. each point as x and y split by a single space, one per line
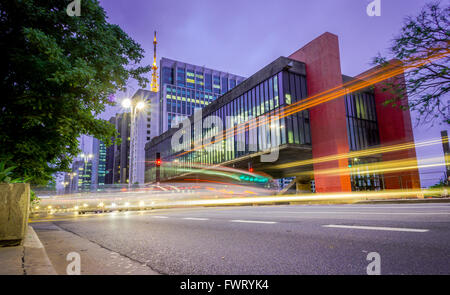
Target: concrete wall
14 207
395 127
328 120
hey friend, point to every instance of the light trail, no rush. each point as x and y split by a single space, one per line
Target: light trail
192 200
373 77
381 167
361 153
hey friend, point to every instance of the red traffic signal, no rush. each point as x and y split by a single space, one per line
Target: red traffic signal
158 162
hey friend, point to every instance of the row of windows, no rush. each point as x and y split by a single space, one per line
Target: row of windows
362 123
360 179
264 99
197 80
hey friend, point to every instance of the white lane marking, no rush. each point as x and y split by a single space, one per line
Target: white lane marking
392 207
195 218
160 217
368 213
377 228
253 221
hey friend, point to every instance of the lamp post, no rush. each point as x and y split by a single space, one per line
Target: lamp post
135 106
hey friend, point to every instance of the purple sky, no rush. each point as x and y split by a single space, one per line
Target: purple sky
241 37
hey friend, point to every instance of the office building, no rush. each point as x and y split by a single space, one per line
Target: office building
146 127
186 87
98 164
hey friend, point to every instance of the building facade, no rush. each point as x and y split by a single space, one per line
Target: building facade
185 87
120 152
274 111
146 127
98 164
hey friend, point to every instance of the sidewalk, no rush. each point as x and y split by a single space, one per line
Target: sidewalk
28 259
95 259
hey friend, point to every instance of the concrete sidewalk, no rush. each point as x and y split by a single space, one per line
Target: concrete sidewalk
95 259
28 259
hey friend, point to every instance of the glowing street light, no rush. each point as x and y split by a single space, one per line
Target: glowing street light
126 103
140 105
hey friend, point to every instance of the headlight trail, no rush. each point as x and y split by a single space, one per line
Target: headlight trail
360 82
361 153
112 205
381 167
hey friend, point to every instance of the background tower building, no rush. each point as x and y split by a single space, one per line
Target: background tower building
98 164
144 123
186 87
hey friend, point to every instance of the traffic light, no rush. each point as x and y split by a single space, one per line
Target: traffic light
158 166
250 168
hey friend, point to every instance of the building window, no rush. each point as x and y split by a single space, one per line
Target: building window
362 123
167 75
181 77
224 85
208 82
232 83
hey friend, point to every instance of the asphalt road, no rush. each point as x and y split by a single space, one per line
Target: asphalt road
300 239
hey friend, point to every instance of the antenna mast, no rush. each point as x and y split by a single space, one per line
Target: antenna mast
154 85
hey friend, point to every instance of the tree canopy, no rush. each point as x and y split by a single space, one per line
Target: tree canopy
427 86
57 73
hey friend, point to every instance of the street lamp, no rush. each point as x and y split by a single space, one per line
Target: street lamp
135 106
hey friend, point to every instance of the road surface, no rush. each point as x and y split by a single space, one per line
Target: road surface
295 239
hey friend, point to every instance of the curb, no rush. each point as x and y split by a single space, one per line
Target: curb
401 201
35 260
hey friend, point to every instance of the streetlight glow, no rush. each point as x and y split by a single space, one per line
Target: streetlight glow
126 103
140 105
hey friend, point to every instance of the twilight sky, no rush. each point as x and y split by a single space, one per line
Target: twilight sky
243 36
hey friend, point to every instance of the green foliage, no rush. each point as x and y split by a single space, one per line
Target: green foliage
441 184
34 200
7 172
57 74
5 177
428 85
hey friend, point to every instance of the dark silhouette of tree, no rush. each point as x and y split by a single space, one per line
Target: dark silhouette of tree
57 73
427 86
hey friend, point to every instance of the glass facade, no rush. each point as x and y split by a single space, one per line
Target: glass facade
361 120
258 106
101 164
84 176
363 133
186 87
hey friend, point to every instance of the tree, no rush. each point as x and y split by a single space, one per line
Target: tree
57 73
427 86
